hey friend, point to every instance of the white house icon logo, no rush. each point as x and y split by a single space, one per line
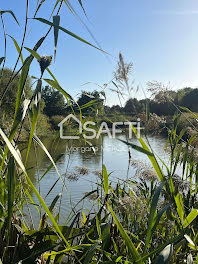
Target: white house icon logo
62 123
104 129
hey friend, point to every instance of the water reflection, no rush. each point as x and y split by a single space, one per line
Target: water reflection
81 169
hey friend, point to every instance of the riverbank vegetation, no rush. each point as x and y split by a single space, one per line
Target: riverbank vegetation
148 221
162 104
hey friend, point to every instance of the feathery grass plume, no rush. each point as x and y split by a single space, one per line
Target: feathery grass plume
98 173
122 73
82 170
72 176
160 92
143 170
123 69
135 204
44 62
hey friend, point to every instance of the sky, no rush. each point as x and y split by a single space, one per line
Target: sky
159 37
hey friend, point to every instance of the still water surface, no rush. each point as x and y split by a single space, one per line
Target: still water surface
112 152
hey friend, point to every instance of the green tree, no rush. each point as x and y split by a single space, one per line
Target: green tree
54 101
190 100
91 101
8 104
116 108
133 106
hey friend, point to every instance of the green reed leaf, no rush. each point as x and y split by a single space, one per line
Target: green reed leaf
152 158
57 86
33 53
11 191
11 13
81 4
35 111
98 227
2 59
50 166
138 148
17 48
39 142
190 218
38 7
90 103
147 112
152 214
22 81
105 180
180 206
188 110
56 21
131 248
159 216
67 32
90 254
106 235
23 77
52 205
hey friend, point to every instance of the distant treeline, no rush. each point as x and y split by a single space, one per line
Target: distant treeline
164 103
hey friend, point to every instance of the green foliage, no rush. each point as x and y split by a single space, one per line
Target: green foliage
54 102
133 106
163 103
8 105
189 100
55 120
89 102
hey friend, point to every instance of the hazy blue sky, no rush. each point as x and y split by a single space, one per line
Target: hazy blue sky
159 37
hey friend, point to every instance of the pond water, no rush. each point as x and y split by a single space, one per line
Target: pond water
75 156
